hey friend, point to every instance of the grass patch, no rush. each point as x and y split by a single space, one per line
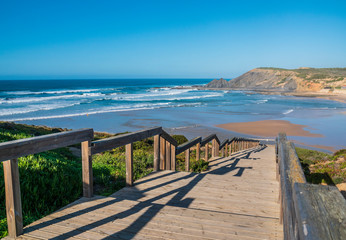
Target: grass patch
320 167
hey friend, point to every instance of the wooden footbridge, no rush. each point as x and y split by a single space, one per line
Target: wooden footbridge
250 191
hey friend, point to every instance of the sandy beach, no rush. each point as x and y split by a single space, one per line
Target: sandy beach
269 128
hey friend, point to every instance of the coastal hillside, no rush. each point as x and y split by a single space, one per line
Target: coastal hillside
279 79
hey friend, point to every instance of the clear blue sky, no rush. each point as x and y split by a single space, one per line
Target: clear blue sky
167 38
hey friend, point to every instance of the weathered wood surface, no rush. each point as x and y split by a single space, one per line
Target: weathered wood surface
87 170
181 148
22 147
235 199
129 164
121 140
156 152
13 199
290 172
168 138
321 212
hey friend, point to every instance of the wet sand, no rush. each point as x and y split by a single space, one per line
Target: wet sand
269 128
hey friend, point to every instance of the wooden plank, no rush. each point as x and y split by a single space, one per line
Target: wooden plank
121 140
216 150
156 152
213 147
320 211
13 198
206 152
129 164
223 144
26 146
87 169
290 172
168 155
187 160
162 153
173 157
168 138
208 139
198 151
181 148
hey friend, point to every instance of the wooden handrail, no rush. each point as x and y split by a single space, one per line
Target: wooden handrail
23 147
308 211
10 151
208 139
168 138
226 141
181 148
122 140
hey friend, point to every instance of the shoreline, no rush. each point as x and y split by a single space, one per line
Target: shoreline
336 95
271 128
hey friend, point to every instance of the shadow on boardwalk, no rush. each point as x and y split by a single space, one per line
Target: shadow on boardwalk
148 207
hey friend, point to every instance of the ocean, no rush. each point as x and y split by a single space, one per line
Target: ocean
121 105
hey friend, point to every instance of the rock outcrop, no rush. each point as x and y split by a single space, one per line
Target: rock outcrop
286 80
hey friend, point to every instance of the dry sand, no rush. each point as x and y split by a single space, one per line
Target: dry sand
269 128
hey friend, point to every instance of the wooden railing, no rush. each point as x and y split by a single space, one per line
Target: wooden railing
165 150
11 151
308 211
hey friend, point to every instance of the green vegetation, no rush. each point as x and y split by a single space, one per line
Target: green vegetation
315 73
320 167
53 179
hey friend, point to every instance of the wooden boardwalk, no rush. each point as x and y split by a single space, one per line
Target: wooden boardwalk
236 199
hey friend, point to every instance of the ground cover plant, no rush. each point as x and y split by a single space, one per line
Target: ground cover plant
323 168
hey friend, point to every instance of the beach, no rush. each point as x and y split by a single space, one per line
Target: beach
269 128
116 106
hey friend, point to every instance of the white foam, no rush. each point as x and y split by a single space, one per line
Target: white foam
123 108
39 99
288 111
51 91
261 101
34 108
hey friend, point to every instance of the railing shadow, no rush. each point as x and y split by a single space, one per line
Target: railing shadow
152 209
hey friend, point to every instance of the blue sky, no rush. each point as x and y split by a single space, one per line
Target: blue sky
167 39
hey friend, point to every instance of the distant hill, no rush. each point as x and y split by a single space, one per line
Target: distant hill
290 80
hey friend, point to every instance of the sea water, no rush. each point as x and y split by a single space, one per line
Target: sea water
131 104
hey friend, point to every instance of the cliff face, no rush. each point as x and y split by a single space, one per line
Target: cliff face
303 79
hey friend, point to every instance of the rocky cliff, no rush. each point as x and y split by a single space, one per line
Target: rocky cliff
278 79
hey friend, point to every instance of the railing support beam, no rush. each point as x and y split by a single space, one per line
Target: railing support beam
187 160
129 164
87 171
13 198
156 153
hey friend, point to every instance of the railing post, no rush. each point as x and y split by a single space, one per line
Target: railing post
173 157
168 155
198 151
187 160
156 153
162 153
206 150
226 149
87 171
213 146
129 164
13 198
217 146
